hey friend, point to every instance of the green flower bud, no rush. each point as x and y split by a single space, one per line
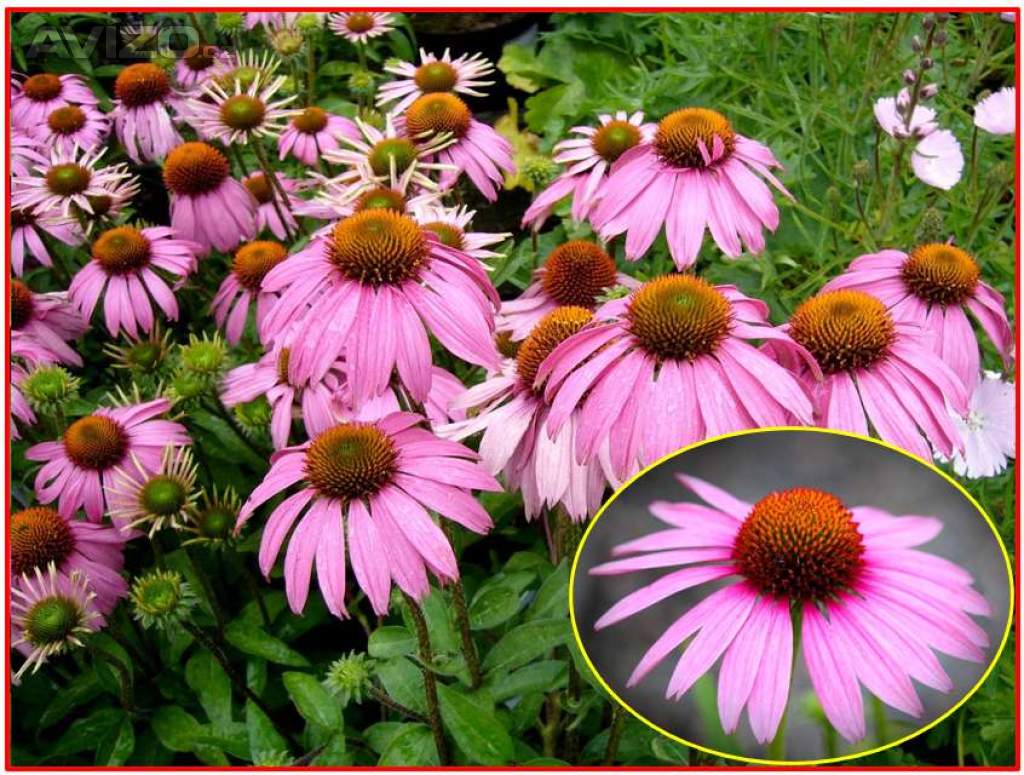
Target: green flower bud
49 388
206 356
161 599
350 677
308 22
539 170
931 228
361 82
286 41
253 415
861 172
229 22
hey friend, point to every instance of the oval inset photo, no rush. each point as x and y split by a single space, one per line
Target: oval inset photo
795 596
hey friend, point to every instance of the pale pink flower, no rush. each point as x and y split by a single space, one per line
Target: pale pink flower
988 428
997 113
696 172
78 465
40 536
249 113
588 159
254 19
933 287
461 75
452 227
34 97
667 366
66 179
243 286
576 273
361 26
313 132
46 322
869 368
890 114
27 237
142 118
123 272
25 153
271 212
370 291
200 63
936 159
875 619
208 206
368 488
83 126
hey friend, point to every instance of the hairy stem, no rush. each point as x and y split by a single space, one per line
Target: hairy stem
429 680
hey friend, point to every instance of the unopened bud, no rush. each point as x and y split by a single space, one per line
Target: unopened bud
941 38
909 76
929 90
861 171
927 63
928 22
930 228
942 18
916 44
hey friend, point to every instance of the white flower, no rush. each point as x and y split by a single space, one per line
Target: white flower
997 113
987 429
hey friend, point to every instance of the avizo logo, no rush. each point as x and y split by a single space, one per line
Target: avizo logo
117 41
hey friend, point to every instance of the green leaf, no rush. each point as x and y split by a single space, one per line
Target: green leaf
525 643
391 641
263 738
212 687
412 746
176 729
404 681
538 677
312 700
379 735
552 598
474 727
117 745
670 751
335 752
83 687
259 643
221 441
498 600
85 733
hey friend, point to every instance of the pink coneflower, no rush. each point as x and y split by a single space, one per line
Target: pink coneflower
122 272
360 26
696 172
512 414
575 274
379 265
313 132
35 97
254 19
77 466
47 320
142 118
140 497
26 237
933 286
243 286
73 125
200 63
271 212
21 410
451 225
665 367
937 159
208 206
461 75
247 113
997 113
40 536
987 429
50 615
369 483
474 148
874 607
25 153
109 206
68 178
872 368
588 158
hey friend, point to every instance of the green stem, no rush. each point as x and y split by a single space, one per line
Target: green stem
278 196
462 619
961 723
614 735
207 587
124 676
429 680
311 71
389 702
252 582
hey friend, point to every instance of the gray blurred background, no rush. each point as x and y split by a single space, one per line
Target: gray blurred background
861 474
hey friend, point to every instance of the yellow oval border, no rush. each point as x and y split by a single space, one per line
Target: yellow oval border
794 762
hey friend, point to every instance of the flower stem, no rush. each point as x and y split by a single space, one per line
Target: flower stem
429 680
124 676
204 582
311 70
389 702
278 197
614 735
462 619
254 586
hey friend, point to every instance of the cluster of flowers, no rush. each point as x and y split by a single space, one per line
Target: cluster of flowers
591 375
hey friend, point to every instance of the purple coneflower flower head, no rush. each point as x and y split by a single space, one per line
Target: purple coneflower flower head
243 286
125 272
380 266
365 491
696 172
875 607
142 118
200 63
33 98
271 212
588 159
934 286
313 132
243 114
208 206
575 274
452 224
462 75
25 153
987 429
47 321
869 367
254 19
78 465
40 537
997 113
512 414
669 365
21 409
50 615
68 126
140 497
66 179
361 26
27 237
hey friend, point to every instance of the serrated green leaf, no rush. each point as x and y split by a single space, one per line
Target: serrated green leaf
212 687
391 641
404 681
475 728
176 729
543 676
312 700
257 642
264 740
85 733
552 600
81 690
379 735
411 746
498 600
525 643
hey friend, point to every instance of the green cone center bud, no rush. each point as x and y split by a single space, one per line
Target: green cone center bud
435 77
68 179
216 522
401 150
449 235
203 357
163 495
160 596
51 621
243 112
